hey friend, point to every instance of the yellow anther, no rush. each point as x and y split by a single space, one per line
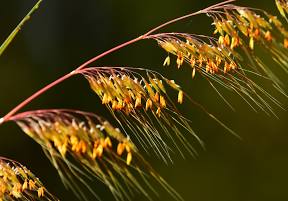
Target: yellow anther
32 184
120 149
114 104
251 43
234 42
40 192
166 61
180 59
162 102
221 40
227 40
128 148
105 99
285 43
99 151
192 62
138 101
148 104
156 97
129 158
25 185
107 142
268 36
180 97
158 112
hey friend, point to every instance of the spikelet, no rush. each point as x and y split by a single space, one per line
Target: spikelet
138 98
18 183
74 139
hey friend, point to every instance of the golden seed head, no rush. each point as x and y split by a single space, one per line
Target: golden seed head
18 183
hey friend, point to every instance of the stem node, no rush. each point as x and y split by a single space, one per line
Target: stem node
1 120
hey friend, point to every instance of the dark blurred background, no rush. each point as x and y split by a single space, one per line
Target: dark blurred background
63 34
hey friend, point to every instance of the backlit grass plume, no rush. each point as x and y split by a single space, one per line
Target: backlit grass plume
139 99
83 146
74 139
221 59
244 28
218 64
18 183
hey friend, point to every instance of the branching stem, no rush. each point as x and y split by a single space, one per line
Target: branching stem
10 114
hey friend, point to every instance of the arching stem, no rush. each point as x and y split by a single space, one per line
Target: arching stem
145 36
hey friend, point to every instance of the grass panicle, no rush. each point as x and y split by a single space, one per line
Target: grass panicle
244 28
220 61
75 139
139 99
18 183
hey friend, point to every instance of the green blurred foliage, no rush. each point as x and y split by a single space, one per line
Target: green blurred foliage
63 34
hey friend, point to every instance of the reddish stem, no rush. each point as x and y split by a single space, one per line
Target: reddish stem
61 79
10 114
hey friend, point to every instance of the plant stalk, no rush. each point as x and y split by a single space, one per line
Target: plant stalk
85 64
18 28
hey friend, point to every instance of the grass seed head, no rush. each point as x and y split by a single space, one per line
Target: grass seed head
74 139
18 183
145 102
